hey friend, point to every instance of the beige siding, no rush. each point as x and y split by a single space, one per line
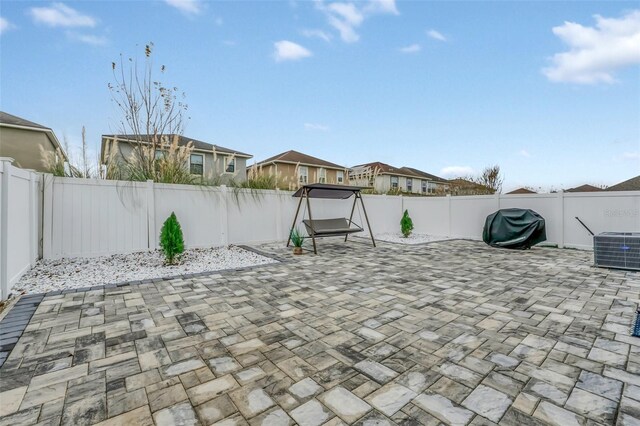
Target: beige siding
25 147
212 169
287 174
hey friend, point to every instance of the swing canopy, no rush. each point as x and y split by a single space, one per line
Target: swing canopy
328 191
329 227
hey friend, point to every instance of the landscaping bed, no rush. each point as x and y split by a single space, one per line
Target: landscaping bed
414 238
62 274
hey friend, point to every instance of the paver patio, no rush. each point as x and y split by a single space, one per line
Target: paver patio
452 332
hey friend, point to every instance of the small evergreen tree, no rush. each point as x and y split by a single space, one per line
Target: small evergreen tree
406 224
171 239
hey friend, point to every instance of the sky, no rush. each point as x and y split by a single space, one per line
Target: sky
549 91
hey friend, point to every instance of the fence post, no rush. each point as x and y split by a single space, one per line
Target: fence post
561 221
47 215
278 215
449 215
224 219
5 164
152 238
33 218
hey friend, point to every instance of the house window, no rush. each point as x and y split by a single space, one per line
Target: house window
229 165
394 182
322 175
424 186
196 164
340 176
409 185
303 174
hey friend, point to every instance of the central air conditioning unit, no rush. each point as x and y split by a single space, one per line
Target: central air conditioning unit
620 250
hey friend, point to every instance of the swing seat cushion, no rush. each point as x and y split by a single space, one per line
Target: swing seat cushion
330 227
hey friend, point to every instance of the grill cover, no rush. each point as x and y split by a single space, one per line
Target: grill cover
514 229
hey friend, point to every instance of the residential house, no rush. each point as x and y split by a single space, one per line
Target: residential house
585 188
293 168
31 145
430 184
632 184
206 160
384 178
461 186
521 191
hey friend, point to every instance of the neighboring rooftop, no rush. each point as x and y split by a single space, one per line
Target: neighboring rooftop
521 191
385 169
182 141
632 184
295 157
13 120
585 188
426 175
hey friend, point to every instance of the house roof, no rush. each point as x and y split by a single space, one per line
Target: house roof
585 188
521 191
632 184
13 120
386 169
9 120
182 141
426 175
295 157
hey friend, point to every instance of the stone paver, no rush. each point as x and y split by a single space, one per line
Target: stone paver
452 332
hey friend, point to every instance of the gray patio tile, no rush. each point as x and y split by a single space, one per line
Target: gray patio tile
452 332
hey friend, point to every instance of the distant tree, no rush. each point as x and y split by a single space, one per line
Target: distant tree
491 178
149 111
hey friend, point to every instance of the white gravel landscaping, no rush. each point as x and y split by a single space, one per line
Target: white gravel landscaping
62 274
411 239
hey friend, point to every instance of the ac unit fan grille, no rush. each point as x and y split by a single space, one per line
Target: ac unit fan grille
619 250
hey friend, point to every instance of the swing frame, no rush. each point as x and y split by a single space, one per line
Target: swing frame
328 191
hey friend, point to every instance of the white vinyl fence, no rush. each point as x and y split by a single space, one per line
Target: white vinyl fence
88 217
20 208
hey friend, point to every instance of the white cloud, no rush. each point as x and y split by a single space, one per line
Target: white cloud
596 52
413 48
188 7
289 51
5 25
436 35
346 17
524 153
316 127
90 39
61 15
317 34
631 155
382 6
457 171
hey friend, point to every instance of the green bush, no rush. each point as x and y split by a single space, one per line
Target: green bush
406 224
171 239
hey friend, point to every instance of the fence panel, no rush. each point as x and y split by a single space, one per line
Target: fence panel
601 212
91 217
19 236
468 214
429 215
200 210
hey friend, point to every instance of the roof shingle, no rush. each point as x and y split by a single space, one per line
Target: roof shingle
182 141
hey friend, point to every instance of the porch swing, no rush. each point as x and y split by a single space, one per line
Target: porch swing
335 227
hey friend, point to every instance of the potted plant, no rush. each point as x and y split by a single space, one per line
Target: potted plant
297 240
